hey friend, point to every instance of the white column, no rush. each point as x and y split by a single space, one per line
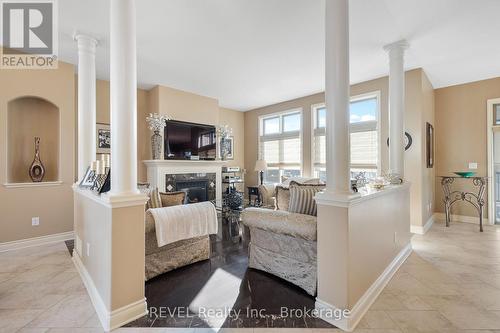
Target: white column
337 96
396 106
86 102
123 90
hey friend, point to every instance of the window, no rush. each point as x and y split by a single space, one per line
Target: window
364 136
280 145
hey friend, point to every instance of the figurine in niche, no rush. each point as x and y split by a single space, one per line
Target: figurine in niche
37 170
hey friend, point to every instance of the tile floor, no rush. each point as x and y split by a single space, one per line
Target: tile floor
451 283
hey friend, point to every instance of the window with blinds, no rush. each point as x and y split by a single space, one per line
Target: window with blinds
280 145
364 136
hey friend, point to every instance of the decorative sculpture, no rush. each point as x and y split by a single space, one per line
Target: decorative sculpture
37 170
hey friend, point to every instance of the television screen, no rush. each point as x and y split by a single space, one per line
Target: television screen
184 140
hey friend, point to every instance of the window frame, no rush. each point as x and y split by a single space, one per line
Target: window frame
282 136
353 128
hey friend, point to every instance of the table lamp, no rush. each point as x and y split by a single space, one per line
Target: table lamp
261 166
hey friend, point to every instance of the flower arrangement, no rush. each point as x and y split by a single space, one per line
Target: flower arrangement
156 122
224 131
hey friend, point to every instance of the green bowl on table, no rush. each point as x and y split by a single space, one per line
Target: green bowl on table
465 174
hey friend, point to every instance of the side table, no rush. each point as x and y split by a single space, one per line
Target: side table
475 199
253 193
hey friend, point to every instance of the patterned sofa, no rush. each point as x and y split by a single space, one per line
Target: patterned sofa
283 243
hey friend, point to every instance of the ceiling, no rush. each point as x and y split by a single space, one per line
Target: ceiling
252 53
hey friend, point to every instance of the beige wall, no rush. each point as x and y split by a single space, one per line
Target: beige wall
429 174
418 98
116 268
184 106
346 270
53 204
30 117
460 134
143 134
235 120
306 103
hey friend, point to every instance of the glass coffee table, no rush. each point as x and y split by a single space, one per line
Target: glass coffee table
231 217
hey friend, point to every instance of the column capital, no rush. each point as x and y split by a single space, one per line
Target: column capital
399 47
86 43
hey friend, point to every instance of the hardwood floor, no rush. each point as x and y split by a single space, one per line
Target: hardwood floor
240 296
451 283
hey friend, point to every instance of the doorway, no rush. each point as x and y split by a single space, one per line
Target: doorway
493 130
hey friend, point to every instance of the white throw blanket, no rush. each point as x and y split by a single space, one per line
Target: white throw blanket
184 221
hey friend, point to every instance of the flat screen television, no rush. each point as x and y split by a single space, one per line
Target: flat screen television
188 140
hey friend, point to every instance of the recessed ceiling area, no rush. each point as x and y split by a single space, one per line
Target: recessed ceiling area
252 53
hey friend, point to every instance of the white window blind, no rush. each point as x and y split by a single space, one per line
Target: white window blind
280 144
364 137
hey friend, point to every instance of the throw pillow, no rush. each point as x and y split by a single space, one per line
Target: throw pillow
302 198
282 200
172 198
286 181
154 199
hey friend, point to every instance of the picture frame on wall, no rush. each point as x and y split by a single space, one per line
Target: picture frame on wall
103 139
230 148
429 143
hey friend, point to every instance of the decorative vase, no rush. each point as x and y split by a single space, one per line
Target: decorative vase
234 200
37 170
156 145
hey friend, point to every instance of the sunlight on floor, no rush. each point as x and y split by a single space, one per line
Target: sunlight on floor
215 300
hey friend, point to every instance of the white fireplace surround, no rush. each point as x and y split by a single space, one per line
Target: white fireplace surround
157 169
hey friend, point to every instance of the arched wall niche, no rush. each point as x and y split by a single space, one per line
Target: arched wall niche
29 117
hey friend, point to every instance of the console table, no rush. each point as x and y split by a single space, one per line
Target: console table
476 198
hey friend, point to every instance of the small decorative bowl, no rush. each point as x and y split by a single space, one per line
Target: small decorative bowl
465 174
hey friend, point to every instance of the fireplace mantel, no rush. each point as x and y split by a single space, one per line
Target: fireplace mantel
157 169
157 163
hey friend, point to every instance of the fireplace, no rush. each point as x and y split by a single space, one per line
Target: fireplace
199 187
196 191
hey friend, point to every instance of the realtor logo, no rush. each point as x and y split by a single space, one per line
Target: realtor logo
29 34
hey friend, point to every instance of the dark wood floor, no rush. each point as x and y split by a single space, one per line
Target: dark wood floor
238 296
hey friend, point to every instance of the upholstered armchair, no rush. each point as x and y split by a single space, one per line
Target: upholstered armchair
283 244
160 260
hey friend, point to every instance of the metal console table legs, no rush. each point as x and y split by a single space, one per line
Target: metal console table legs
475 199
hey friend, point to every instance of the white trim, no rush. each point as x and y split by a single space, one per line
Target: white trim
99 306
156 171
368 298
422 230
351 199
113 201
491 177
39 184
36 241
128 313
460 218
116 318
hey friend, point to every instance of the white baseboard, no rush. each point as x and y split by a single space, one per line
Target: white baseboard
116 318
36 241
421 230
460 218
359 309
